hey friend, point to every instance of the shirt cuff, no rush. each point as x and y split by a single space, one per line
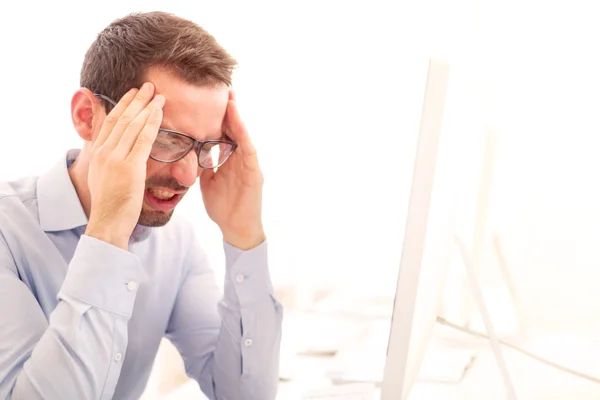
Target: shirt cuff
248 273
103 276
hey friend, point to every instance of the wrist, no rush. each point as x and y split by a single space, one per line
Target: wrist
245 241
107 235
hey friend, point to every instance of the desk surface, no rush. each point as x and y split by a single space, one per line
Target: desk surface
532 380
482 380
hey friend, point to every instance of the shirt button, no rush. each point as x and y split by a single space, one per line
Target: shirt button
239 278
132 285
118 357
248 342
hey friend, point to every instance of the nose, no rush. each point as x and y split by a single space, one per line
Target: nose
186 169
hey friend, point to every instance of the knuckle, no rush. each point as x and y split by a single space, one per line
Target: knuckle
260 178
145 138
139 97
135 124
97 153
111 119
117 163
124 119
111 159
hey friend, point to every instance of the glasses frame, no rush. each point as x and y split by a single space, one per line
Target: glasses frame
196 144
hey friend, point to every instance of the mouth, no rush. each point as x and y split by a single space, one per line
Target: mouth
162 199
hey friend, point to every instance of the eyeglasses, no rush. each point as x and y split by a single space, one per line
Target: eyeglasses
171 146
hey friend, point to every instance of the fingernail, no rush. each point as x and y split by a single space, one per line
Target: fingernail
146 86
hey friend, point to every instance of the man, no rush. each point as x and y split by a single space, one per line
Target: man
94 267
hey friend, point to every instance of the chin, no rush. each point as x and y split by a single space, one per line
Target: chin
154 218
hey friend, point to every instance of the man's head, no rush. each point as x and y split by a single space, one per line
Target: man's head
185 64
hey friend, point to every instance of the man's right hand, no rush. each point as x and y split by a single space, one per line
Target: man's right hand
117 170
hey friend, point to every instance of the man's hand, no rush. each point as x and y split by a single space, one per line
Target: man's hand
117 171
233 195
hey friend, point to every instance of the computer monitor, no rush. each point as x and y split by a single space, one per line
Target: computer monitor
427 245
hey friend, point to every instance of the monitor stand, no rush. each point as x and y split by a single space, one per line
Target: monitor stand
489 326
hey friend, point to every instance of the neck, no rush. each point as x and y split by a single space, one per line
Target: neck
78 172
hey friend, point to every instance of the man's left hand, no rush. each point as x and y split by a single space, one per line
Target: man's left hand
233 194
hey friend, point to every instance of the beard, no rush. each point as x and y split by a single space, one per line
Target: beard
154 218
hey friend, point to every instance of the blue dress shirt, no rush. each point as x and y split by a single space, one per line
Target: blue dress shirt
81 319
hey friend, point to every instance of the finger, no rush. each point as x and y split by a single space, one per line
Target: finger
135 128
113 116
139 102
143 143
236 129
205 177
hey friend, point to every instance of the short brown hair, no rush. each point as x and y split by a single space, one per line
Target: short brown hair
122 53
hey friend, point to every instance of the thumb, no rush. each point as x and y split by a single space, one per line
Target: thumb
205 178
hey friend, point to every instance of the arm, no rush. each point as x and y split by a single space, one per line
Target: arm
231 346
73 354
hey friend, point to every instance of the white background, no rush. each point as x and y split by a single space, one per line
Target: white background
323 84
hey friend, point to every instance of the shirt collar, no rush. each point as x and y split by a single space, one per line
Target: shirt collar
58 203
59 206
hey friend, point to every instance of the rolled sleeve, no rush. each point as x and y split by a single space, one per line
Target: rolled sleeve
97 264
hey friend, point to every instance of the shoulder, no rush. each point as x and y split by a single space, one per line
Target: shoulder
17 200
21 191
15 218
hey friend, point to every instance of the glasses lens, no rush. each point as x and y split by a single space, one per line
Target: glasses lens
214 154
170 146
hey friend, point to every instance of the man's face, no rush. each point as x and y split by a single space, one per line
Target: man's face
197 111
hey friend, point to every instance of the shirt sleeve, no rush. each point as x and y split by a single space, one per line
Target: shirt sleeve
230 342
78 352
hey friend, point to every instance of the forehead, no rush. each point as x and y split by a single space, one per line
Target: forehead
196 110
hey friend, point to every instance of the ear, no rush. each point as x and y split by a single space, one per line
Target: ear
87 113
